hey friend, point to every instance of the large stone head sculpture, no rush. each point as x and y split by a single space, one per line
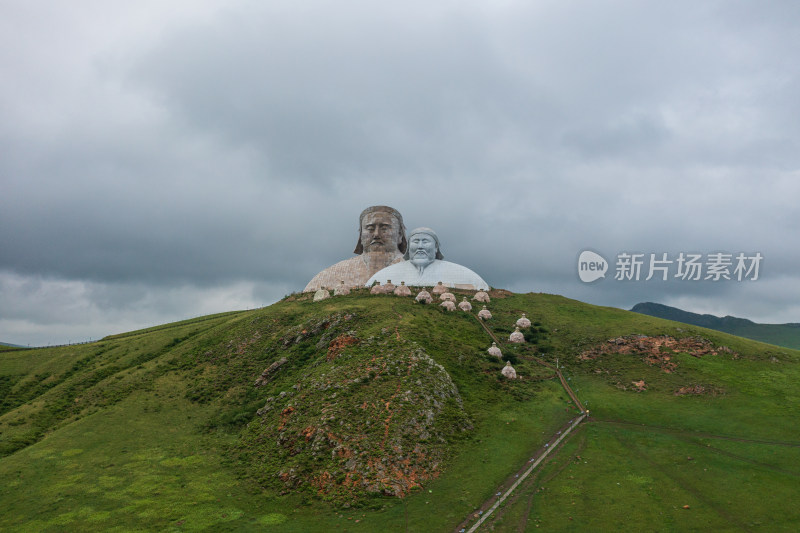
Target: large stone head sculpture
423 247
381 229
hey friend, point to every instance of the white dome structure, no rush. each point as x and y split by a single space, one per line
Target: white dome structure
376 289
447 304
517 336
402 290
388 287
341 290
321 294
495 351
424 297
482 296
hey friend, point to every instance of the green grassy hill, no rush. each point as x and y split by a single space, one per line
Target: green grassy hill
374 413
787 335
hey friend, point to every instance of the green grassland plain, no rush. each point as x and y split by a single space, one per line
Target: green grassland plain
148 431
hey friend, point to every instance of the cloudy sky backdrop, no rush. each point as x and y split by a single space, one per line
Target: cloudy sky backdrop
164 160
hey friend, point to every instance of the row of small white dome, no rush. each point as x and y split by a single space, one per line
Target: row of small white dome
516 337
508 370
401 290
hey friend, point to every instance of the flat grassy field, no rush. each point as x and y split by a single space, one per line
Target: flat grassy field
157 430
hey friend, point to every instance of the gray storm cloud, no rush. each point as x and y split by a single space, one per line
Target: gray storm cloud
221 152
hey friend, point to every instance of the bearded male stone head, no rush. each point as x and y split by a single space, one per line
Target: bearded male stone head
425 266
423 248
381 242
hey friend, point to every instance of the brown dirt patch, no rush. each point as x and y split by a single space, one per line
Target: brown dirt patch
656 351
500 293
697 390
338 344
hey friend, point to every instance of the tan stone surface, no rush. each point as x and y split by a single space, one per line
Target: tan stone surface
355 272
439 288
447 296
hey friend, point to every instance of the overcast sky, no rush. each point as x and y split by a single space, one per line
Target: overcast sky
164 160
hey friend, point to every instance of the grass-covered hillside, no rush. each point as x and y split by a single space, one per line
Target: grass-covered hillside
375 413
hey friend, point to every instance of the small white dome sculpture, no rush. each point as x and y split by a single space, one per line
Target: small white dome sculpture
495 351
523 322
508 371
439 288
321 294
376 289
465 305
481 296
389 287
447 296
424 297
402 290
341 290
484 314
517 336
447 304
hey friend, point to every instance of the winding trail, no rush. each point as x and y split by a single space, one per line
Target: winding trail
490 506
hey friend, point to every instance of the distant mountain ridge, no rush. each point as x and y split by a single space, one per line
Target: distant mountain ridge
787 335
9 345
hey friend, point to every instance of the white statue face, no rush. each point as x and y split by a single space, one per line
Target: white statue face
380 232
421 249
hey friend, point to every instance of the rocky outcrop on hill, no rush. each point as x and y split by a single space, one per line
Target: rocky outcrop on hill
374 418
656 351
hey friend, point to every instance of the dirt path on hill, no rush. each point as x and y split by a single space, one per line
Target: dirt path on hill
513 482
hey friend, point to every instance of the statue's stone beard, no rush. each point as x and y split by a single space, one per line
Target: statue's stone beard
421 262
379 259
